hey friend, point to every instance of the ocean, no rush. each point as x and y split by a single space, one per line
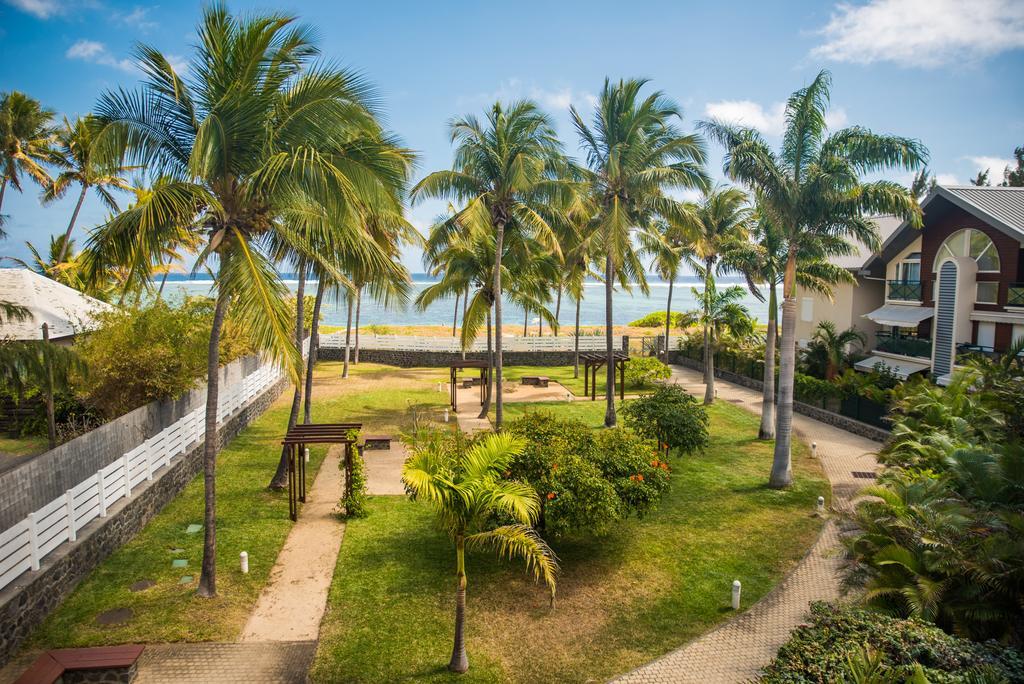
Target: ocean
627 306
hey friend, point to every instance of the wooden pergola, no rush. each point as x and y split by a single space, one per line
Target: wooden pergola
485 376
594 360
296 441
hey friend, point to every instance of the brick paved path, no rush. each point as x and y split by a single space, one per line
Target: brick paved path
735 651
282 662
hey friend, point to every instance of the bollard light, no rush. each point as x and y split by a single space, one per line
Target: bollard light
568 396
736 589
814 449
244 557
446 415
821 505
305 454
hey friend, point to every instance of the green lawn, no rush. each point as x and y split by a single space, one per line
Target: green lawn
622 600
250 518
22 446
563 375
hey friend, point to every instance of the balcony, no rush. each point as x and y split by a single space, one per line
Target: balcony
1015 295
905 346
904 290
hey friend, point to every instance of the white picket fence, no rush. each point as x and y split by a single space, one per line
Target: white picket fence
509 343
23 546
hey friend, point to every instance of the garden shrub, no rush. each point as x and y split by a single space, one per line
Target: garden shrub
670 416
627 461
656 319
808 388
820 651
644 370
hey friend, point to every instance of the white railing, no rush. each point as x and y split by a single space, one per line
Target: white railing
23 546
510 343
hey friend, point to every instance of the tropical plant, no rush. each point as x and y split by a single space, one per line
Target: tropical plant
720 313
508 172
466 488
634 154
643 371
672 417
828 351
812 191
265 147
25 135
669 246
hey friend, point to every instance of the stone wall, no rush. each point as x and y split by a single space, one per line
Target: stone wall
27 601
825 416
429 359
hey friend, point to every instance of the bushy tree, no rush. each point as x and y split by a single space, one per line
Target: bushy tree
642 371
670 416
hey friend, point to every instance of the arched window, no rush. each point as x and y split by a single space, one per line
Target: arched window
972 243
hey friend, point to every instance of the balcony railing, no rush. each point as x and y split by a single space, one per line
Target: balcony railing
906 346
905 290
1015 295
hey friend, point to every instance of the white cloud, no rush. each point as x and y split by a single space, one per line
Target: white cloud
922 33
97 53
557 99
43 9
178 63
994 165
946 179
770 120
137 18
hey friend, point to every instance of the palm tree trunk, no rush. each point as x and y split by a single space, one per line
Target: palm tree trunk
359 304
498 247
540 325
208 575
460 661
455 318
465 298
348 336
485 409
709 353
609 392
781 464
526 320
767 429
280 479
576 344
557 327
163 281
3 190
71 224
314 347
668 316
51 420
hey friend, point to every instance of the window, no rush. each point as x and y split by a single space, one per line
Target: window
988 293
986 335
807 309
909 271
973 243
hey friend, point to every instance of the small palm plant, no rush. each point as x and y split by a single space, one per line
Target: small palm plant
828 352
467 489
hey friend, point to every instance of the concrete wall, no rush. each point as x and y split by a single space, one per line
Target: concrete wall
845 309
36 482
27 601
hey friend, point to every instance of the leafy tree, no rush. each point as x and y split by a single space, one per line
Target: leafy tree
981 179
634 154
827 354
720 313
669 247
642 371
671 416
466 488
25 134
1014 177
812 191
922 184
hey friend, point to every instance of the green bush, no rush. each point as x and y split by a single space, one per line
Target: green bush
656 319
820 651
670 416
587 481
644 370
809 388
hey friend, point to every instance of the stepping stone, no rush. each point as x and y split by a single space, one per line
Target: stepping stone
117 616
142 585
185 579
193 528
179 563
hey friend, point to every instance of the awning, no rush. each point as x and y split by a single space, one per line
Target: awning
901 369
900 316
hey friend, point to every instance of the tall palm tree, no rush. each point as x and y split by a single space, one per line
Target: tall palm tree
719 313
828 347
634 153
73 155
26 133
259 141
467 491
506 170
669 247
810 190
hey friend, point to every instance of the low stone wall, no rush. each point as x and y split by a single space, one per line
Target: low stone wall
830 417
27 601
429 359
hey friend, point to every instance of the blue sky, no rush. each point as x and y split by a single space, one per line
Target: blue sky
945 71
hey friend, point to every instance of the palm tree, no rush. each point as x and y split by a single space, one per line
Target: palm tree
812 190
505 171
467 491
827 350
719 313
634 154
25 136
73 155
261 140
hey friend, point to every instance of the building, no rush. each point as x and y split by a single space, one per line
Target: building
66 311
952 287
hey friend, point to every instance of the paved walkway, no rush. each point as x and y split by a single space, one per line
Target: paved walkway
274 663
736 651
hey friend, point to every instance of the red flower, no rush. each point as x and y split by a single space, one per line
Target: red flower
551 495
640 477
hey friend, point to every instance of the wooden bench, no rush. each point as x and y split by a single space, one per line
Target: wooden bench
376 442
71 665
535 380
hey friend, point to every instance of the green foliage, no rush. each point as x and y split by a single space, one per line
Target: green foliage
656 319
809 388
354 502
826 355
670 416
832 649
587 481
644 370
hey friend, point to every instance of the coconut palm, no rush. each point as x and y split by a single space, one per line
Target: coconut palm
264 146
467 490
507 170
73 155
810 190
669 247
634 153
25 135
720 313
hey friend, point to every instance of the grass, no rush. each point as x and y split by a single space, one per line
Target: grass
250 518
22 446
623 600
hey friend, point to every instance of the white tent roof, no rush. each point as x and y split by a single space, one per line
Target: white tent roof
900 315
901 369
65 310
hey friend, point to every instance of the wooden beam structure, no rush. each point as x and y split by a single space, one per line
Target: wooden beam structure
594 360
456 366
296 441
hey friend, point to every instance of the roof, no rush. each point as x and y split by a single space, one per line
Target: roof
900 368
900 315
65 310
857 259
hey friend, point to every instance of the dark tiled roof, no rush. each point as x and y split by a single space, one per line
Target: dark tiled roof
1002 205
